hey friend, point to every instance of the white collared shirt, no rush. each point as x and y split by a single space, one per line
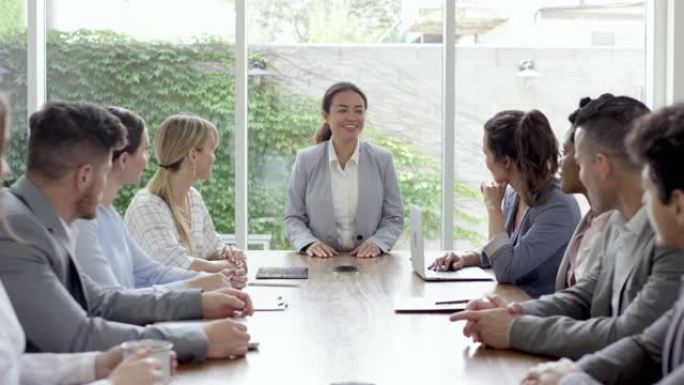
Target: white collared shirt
71 233
625 257
345 194
17 367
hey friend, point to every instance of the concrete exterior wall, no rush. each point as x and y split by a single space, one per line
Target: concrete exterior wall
404 85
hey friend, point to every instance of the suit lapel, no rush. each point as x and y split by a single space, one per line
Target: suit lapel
645 238
606 280
365 173
328 210
41 207
672 350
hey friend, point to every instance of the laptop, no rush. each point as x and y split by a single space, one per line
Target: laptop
418 257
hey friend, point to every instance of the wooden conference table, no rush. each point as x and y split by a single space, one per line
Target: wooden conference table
341 327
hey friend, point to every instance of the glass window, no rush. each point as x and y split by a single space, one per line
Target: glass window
535 54
13 81
157 58
298 48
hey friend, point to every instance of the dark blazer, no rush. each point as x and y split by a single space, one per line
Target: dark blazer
62 310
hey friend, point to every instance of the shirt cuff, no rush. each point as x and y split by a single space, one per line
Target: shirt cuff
578 378
384 248
82 366
178 285
500 240
101 382
303 243
186 262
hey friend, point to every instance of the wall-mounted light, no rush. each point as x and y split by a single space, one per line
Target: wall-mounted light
526 69
257 70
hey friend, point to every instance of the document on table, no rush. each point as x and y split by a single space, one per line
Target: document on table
428 305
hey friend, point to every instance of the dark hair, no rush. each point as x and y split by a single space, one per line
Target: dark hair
526 138
658 141
135 126
573 116
606 121
65 135
324 133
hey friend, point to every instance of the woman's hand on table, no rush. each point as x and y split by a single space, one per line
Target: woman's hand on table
550 373
232 255
453 261
320 250
367 249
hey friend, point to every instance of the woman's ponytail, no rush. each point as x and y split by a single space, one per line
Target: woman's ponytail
537 150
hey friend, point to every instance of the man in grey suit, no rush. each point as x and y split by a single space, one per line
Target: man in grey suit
633 283
657 354
69 154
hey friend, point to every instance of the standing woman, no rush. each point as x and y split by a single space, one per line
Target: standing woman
168 218
530 219
344 194
106 251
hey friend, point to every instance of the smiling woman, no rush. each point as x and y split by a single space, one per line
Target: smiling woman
364 218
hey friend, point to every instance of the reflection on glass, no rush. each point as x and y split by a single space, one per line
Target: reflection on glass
13 82
156 58
536 54
308 45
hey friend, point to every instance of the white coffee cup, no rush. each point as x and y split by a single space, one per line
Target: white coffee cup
158 349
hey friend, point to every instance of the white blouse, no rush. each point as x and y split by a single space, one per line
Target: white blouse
150 223
345 194
37 368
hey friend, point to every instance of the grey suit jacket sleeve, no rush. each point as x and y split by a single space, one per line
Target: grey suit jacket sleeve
565 336
392 223
55 322
632 360
296 219
574 302
674 378
578 378
149 307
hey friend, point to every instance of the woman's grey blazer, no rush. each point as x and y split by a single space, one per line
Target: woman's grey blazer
309 213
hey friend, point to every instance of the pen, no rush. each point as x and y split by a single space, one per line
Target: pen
272 284
452 302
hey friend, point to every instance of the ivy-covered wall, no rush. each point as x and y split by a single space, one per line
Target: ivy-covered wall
160 79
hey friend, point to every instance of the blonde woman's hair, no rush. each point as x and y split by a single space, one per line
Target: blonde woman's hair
176 136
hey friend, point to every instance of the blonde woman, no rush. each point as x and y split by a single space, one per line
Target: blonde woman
168 218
